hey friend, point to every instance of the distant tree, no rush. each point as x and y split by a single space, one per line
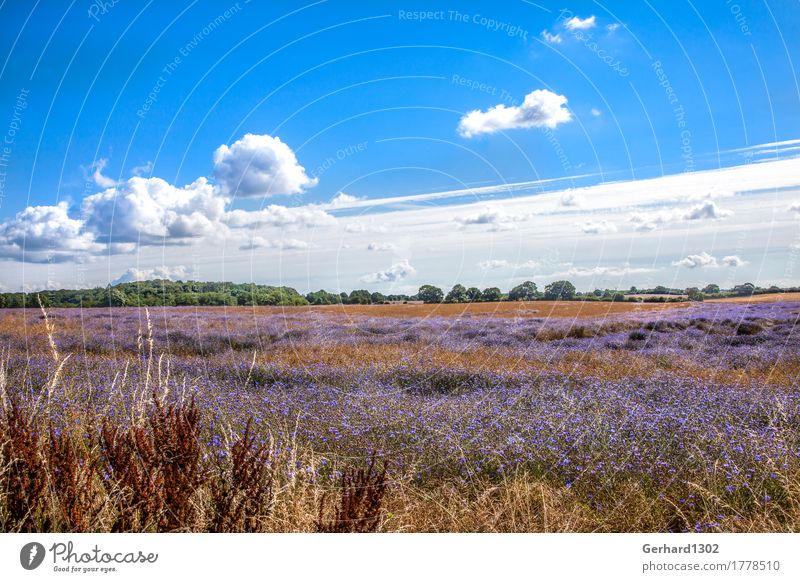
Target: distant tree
559 290
116 298
661 290
633 290
458 294
744 290
492 294
377 297
617 297
474 294
711 289
597 293
359 296
694 294
773 289
430 294
526 291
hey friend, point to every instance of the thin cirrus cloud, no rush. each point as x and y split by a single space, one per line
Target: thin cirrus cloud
397 272
496 264
540 108
376 246
139 211
706 260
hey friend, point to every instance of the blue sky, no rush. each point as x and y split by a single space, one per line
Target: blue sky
554 122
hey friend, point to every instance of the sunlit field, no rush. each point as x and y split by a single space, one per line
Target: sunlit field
541 416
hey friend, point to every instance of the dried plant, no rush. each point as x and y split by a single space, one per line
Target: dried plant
134 480
243 491
175 437
73 471
359 509
23 477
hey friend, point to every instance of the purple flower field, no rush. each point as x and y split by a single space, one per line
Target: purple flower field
686 419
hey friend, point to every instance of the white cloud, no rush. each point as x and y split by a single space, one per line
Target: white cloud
152 211
359 227
733 261
597 227
145 168
288 244
98 177
598 271
541 108
279 216
551 38
341 199
495 217
794 207
571 198
133 274
576 23
375 246
700 261
494 264
613 27
397 272
708 210
42 234
259 165
595 112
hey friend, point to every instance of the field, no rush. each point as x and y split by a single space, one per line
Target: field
543 416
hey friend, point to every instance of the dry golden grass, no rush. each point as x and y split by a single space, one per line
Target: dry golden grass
767 298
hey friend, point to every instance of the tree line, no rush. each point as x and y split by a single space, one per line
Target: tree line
162 292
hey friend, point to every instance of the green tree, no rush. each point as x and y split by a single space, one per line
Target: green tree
711 289
694 294
744 290
359 296
492 294
559 290
377 297
474 294
526 291
430 294
458 294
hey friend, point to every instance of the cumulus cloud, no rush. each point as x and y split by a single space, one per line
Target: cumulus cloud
375 246
152 211
341 199
97 174
700 261
795 207
145 168
595 112
550 37
733 261
397 272
541 108
597 227
576 23
707 210
259 165
572 198
42 234
496 218
133 274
